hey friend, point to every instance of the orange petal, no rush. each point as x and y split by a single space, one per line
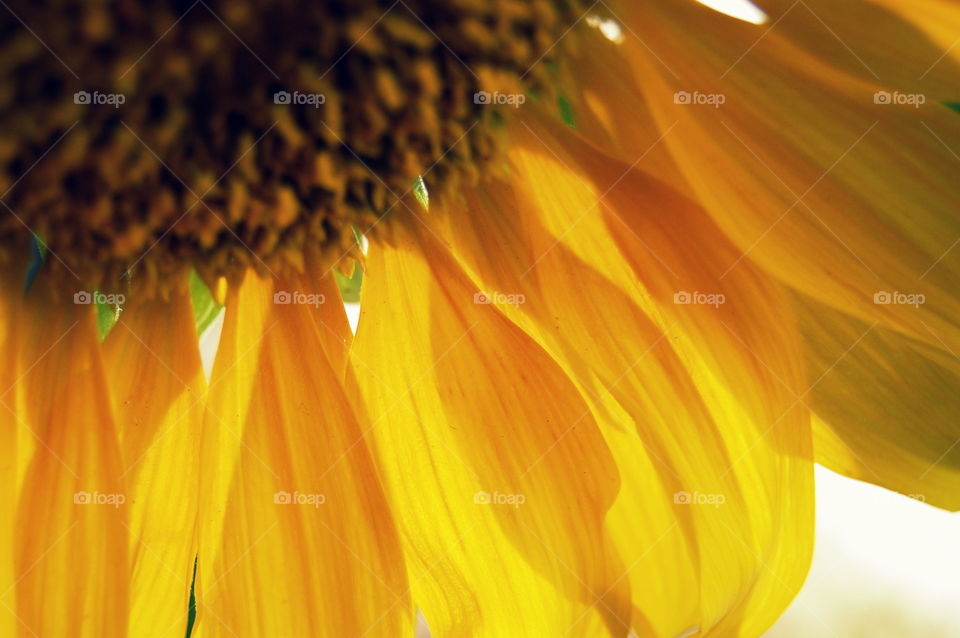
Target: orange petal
157 384
71 567
330 316
847 200
830 191
491 459
887 405
9 287
939 19
296 538
599 251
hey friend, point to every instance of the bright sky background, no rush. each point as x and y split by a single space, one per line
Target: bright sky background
741 9
885 566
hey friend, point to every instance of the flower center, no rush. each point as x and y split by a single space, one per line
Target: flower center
144 138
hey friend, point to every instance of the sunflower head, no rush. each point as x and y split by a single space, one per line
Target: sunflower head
227 135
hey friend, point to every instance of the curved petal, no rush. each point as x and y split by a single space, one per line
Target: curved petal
157 385
296 537
71 567
329 316
608 109
874 391
803 165
939 19
490 458
599 252
847 200
9 466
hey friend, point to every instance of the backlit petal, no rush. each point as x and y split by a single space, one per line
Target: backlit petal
71 567
810 173
846 198
296 539
494 464
157 384
9 287
704 396
875 392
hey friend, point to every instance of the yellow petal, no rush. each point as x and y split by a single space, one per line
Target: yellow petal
296 538
845 199
830 191
491 460
608 108
594 330
599 255
157 384
8 453
330 316
875 391
71 567
939 19
871 40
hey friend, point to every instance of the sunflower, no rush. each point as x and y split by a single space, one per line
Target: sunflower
629 270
